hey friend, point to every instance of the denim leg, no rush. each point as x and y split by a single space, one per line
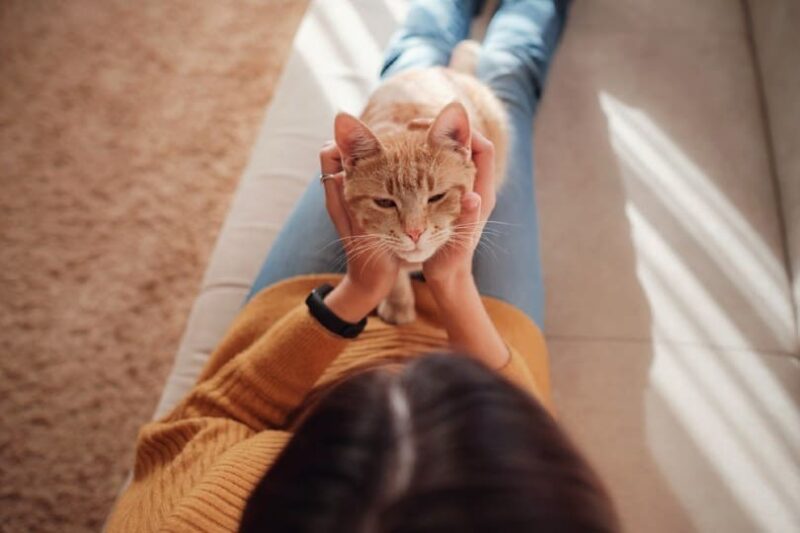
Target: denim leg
516 52
430 32
308 242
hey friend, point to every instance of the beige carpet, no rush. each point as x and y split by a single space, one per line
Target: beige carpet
123 129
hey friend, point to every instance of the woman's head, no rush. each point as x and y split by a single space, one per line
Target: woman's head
443 444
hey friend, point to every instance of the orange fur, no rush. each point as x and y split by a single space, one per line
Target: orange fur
407 164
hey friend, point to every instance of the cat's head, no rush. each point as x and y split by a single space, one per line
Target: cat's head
405 188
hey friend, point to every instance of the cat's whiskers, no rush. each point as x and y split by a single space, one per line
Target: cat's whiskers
491 246
347 238
471 226
382 247
375 245
362 244
474 228
464 237
458 235
485 246
488 233
490 222
485 223
364 249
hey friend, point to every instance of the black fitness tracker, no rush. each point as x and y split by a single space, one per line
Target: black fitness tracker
326 317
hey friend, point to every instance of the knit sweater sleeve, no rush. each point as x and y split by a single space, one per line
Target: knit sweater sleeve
269 377
518 372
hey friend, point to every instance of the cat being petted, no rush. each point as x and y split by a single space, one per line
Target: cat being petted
407 162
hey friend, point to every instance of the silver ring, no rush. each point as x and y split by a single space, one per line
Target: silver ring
327 177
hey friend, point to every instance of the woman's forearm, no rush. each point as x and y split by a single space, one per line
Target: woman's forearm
351 302
466 321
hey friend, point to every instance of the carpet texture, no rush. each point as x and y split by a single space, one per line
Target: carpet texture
123 129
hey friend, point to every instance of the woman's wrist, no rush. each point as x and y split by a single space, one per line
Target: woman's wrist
451 288
464 316
352 302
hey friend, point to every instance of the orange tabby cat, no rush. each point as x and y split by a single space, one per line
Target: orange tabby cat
408 161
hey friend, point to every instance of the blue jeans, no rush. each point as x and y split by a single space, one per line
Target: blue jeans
516 51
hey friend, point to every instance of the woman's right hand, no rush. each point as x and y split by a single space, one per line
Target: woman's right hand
371 270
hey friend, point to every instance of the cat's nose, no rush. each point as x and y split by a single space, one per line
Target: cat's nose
414 233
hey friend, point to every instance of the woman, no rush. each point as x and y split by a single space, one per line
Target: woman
301 421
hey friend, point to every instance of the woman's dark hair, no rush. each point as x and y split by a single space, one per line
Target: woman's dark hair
444 444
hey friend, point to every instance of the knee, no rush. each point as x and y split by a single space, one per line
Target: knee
422 42
513 74
413 53
437 24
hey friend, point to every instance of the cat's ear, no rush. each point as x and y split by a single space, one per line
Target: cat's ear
451 129
354 139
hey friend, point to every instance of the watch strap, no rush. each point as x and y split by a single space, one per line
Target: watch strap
328 319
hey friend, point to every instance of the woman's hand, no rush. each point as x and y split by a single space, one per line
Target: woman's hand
371 270
453 262
449 271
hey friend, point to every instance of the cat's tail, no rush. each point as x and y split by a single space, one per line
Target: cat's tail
465 56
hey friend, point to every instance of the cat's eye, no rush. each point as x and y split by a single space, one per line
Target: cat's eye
386 203
435 198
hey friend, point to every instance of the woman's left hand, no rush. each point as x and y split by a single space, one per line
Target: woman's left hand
449 272
453 262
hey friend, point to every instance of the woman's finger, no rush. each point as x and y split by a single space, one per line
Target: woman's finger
355 227
334 203
483 157
330 158
469 221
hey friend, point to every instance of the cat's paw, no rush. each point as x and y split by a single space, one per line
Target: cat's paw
398 313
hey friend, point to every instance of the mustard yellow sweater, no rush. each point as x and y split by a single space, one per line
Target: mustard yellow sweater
195 468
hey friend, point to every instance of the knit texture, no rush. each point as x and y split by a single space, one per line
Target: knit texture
196 467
